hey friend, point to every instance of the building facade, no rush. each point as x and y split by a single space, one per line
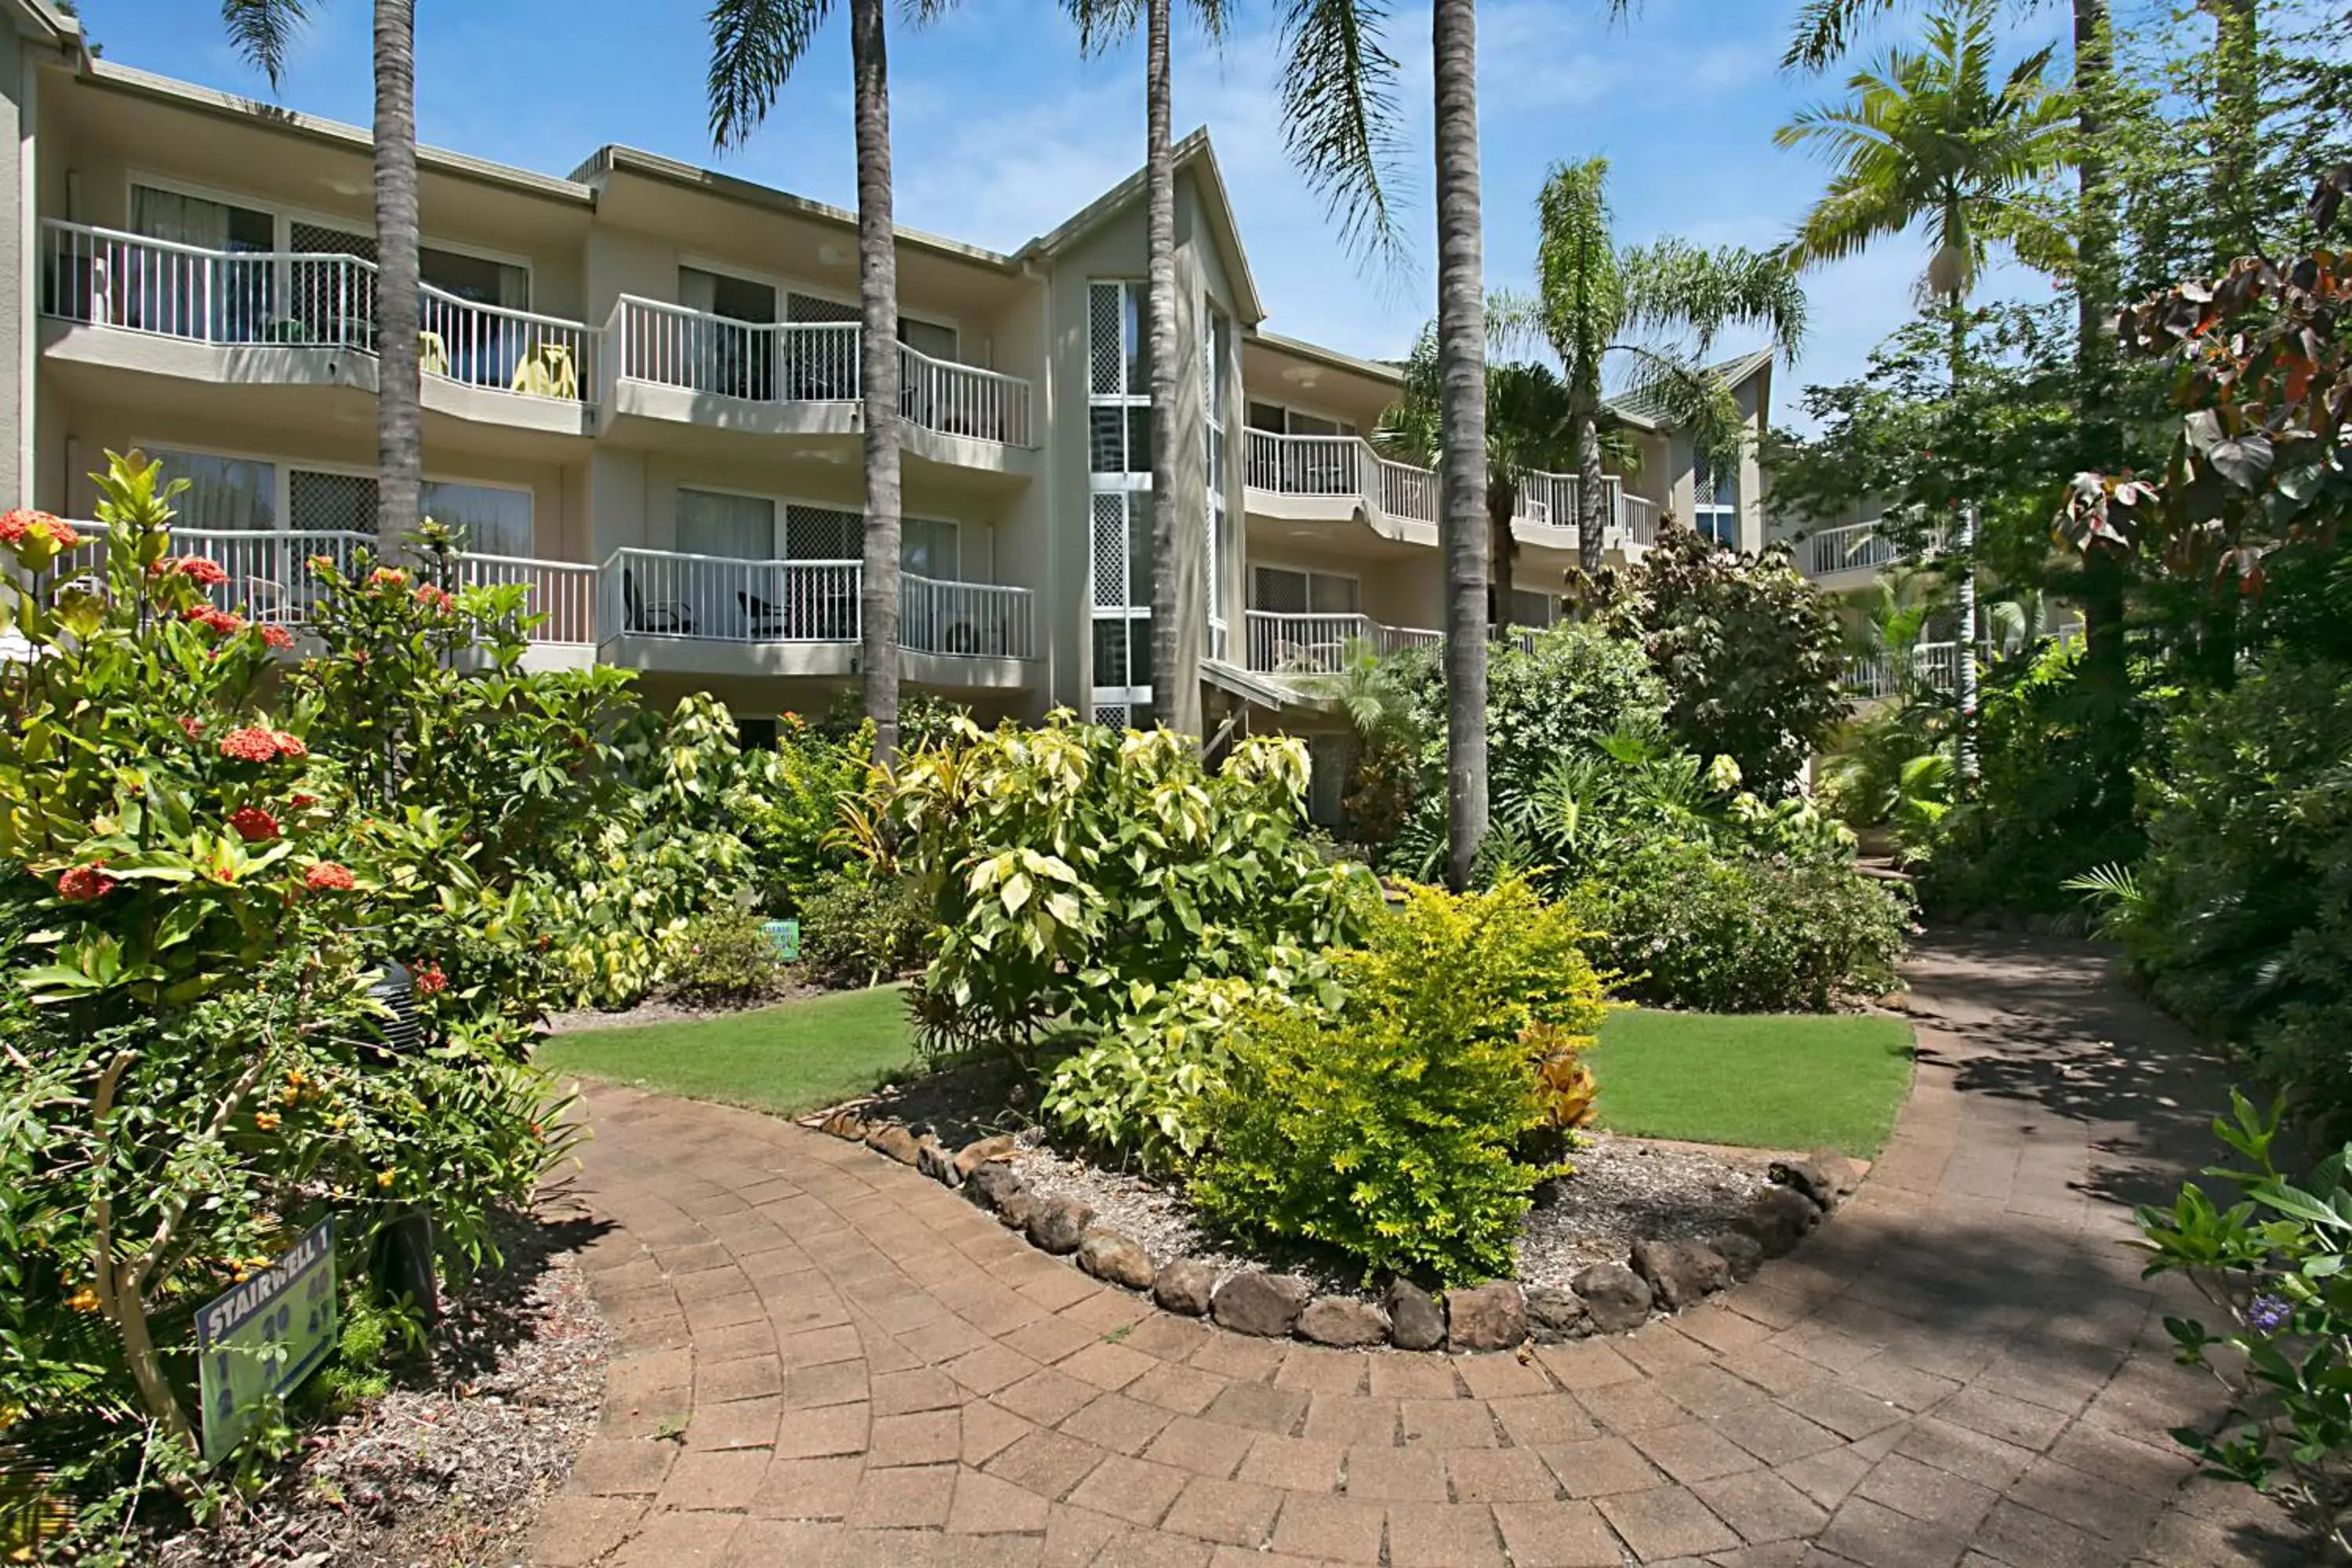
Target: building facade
641 397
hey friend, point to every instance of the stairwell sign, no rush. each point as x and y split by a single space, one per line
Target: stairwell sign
258 1341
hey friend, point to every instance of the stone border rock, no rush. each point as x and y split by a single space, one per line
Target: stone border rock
1605 1299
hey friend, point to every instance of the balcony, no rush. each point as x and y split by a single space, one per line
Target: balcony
1851 555
805 378
125 301
1299 648
1324 479
661 609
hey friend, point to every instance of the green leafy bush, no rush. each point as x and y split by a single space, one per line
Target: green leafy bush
1395 1128
724 957
2240 916
1063 868
1749 655
2274 1264
1690 926
860 927
785 804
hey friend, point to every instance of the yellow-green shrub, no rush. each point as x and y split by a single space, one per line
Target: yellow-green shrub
1396 1129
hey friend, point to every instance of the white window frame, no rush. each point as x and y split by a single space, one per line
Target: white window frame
1126 484
1710 509
1307 576
786 287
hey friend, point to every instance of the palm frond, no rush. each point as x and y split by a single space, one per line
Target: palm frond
1674 283
754 45
1826 28
1582 290
1339 116
264 30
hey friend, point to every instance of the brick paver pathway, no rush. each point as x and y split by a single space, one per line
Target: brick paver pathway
825 1359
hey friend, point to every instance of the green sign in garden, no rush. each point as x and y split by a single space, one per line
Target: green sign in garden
259 1340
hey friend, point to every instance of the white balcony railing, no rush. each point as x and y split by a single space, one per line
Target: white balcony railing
1286 644
563 593
808 362
1857 547
976 619
1348 468
271 575
285 299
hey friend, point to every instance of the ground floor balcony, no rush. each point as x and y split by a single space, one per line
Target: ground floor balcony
666 610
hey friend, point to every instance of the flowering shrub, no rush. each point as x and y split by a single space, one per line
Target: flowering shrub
194 894
2273 1266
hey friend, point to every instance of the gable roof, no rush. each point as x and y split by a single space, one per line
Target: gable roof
1195 152
1644 413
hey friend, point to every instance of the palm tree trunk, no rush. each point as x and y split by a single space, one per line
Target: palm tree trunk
1462 436
2237 124
877 301
1168 690
1592 494
1964 652
399 441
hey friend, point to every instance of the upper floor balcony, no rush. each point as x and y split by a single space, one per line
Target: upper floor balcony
128 303
1305 650
672 363
667 610
1342 477
1851 555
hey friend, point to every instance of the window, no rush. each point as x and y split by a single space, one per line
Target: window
228 494
492 519
222 300
1216 368
329 504
1715 506
1282 421
1287 590
823 533
1535 610
928 338
737 528
930 547
1119 503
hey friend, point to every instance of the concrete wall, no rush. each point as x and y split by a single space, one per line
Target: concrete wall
19 92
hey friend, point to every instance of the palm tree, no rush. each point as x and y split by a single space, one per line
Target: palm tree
1462 429
1926 139
1530 429
262 31
1594 294
1338 125
754 45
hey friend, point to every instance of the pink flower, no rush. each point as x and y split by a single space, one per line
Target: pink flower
431 982
274 636
387 577
325 874
216 620
80 884
195 727
253 825
435 599
288 745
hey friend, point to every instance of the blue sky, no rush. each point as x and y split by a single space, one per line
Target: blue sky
1000 130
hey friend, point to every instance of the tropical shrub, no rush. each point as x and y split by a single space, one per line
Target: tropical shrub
1065 870
860 927
724 957
2240 918
1749 653
194 894
1690 926
785 805
1396 1127
2274 1265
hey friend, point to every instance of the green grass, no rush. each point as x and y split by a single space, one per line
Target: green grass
1761 1081
789 1059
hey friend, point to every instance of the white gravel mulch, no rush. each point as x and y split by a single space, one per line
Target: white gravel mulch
1622 1190
453 1465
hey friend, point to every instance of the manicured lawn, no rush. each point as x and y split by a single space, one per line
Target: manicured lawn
1763 1081
792 1057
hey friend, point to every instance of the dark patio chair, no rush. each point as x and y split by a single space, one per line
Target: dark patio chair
670 617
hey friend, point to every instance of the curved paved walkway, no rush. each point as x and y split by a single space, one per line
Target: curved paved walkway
825 1359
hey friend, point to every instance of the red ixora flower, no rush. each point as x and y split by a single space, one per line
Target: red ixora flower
274 636
431 982
260 746
195 727
79 884
197 569
16 526
325 874
435 599
253 825
387 576
301 800
214 619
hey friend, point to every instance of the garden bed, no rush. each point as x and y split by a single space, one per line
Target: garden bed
453 1464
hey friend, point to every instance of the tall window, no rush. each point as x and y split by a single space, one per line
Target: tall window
494 520
1715 505
1290 591
1216 364
930 547
1119 440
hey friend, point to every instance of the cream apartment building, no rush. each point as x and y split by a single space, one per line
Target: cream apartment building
640 397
